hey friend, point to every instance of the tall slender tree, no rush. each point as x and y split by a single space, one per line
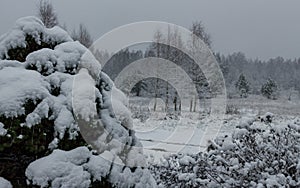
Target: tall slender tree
198 30
158 37
47 14
83 36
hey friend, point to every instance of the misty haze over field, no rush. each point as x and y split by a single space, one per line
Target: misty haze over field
262 29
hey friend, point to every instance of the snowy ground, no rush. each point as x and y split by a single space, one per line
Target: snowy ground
261 105
164 136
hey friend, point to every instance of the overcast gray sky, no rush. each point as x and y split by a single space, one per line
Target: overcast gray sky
259 28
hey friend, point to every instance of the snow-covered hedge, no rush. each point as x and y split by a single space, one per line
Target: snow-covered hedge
38 70
257 154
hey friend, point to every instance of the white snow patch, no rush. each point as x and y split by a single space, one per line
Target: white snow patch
84 96
75 168
18 85
186 160
4 183
3 131
61 169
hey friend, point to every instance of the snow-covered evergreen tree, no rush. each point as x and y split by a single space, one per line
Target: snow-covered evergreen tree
269 89
44 77
243 86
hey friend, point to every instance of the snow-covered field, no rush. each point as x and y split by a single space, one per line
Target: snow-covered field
162 136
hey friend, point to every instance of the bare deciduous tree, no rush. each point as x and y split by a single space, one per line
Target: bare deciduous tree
83 36
47 14
199 30
158 37
199 79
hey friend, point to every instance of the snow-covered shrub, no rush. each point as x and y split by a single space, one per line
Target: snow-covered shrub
232 109
138 113
257 154
268 117
38 67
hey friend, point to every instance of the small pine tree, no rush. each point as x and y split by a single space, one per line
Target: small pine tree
269 89
243 86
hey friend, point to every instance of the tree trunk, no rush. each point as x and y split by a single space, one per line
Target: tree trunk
154 107
195 103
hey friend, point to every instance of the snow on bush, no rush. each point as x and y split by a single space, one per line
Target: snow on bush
3 131
27 31
39 112
4 183
257 154
79 167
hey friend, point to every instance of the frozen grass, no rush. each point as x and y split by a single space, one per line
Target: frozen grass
163 136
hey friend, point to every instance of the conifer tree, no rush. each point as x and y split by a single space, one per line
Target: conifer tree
242 86
269 89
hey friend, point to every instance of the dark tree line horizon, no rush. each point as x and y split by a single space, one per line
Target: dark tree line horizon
284 72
